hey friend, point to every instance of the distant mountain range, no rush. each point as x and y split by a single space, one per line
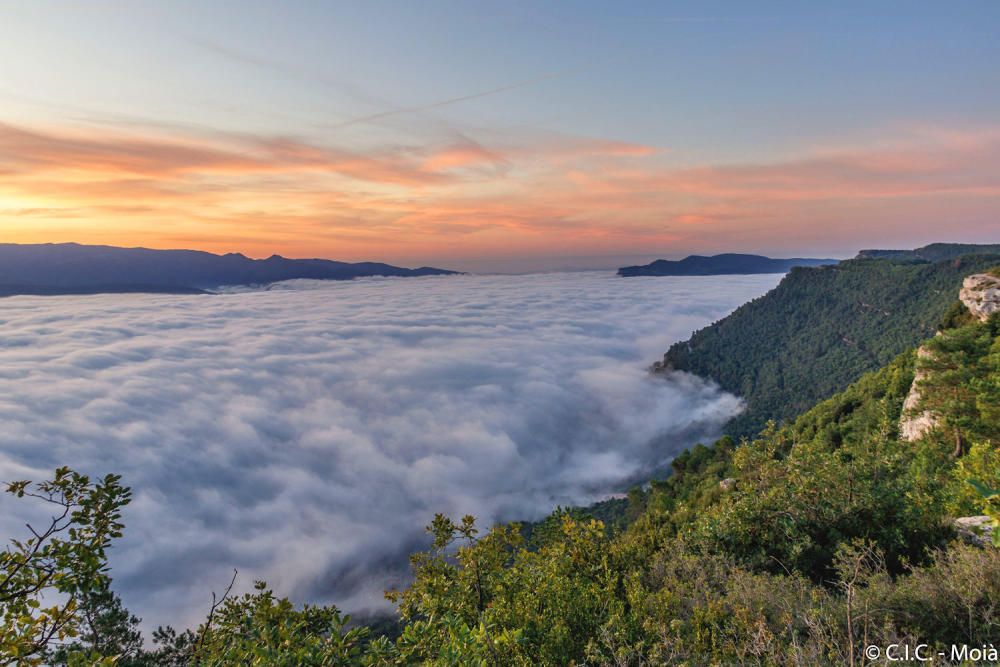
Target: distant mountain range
71 268
716 265
935 252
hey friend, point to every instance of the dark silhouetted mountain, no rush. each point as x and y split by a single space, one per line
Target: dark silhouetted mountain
71 268
717 265
935 252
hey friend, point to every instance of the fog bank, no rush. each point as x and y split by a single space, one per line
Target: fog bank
306 434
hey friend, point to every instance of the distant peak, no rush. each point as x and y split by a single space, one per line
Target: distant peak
726 263
87 269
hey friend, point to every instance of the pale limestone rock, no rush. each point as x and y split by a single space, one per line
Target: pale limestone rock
981 295
913 425
728 484
977 530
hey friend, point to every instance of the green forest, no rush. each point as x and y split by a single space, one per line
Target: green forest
820 535
821 328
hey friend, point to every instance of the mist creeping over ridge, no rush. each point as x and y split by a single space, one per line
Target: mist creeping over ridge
307 433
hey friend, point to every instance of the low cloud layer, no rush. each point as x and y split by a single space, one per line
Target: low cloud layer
308 433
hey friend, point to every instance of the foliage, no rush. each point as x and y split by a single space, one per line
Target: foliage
592 602
801 546
173 649
801 507
819 330
957 315
47 577
259 629
991 505
106 629
500 603
957 367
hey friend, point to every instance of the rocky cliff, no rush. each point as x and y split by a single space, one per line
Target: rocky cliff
981 294
913 425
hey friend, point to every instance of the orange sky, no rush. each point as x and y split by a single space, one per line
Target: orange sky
534 196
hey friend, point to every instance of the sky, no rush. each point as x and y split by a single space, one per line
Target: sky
500 136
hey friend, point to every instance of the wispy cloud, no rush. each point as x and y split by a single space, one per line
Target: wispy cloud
32 151
471 194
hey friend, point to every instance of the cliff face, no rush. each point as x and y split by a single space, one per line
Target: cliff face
913 425
981 295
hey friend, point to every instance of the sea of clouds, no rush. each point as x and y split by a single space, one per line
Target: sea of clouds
307 433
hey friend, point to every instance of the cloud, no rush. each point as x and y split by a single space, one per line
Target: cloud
33 152
464 153
307 434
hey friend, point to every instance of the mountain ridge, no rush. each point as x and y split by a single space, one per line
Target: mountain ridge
932 252
73 268
722 264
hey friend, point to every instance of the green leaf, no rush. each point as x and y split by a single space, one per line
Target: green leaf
984 491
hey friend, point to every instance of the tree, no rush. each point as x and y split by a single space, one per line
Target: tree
259 629
988 386
490 601
952 366
45 577
107 629
991 505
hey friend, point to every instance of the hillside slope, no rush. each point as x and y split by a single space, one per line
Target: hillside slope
805 545
819 330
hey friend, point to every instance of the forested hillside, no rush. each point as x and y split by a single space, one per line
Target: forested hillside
819 330
802 546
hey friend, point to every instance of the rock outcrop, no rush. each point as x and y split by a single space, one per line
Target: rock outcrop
981 295
913 425
975 530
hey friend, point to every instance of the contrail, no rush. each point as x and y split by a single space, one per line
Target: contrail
443 103
287 68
